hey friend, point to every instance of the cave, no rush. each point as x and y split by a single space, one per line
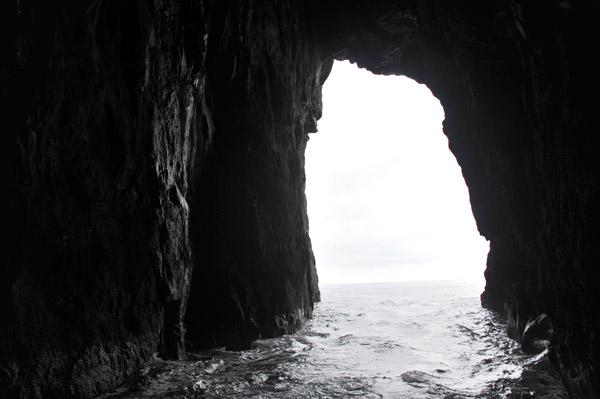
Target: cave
155 155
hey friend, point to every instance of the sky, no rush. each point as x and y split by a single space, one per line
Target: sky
386 198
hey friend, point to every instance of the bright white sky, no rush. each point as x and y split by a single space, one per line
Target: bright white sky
386 198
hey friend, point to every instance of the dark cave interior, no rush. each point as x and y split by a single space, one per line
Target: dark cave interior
155 154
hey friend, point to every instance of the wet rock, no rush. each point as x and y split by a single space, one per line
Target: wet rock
537 335
539 380
250 228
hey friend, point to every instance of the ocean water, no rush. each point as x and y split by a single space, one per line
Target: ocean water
390 340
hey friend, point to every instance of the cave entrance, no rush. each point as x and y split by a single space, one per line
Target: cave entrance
386 198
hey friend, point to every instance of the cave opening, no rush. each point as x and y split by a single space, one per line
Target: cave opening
399 256
386 198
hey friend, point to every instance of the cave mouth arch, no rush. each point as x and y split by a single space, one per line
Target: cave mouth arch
386 198
206 103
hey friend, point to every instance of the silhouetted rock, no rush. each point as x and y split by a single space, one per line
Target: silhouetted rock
140 149
155 151
537 335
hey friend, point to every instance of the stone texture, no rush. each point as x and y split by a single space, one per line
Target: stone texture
112 110
515 80
154 152
108 130
251 228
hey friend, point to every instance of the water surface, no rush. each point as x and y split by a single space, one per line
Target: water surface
391 340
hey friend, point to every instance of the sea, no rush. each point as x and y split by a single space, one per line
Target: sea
425 340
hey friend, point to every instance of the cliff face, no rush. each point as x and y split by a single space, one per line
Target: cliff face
147 140
514 79
155 157
256 275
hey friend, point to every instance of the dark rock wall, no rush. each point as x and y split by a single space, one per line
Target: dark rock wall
108 130
154 152
516 82
251 227
115 112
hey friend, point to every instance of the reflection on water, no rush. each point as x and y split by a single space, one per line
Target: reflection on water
393 340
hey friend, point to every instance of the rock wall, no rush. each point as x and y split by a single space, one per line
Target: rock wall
108 131
145 140
251 228
154 151
515 80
